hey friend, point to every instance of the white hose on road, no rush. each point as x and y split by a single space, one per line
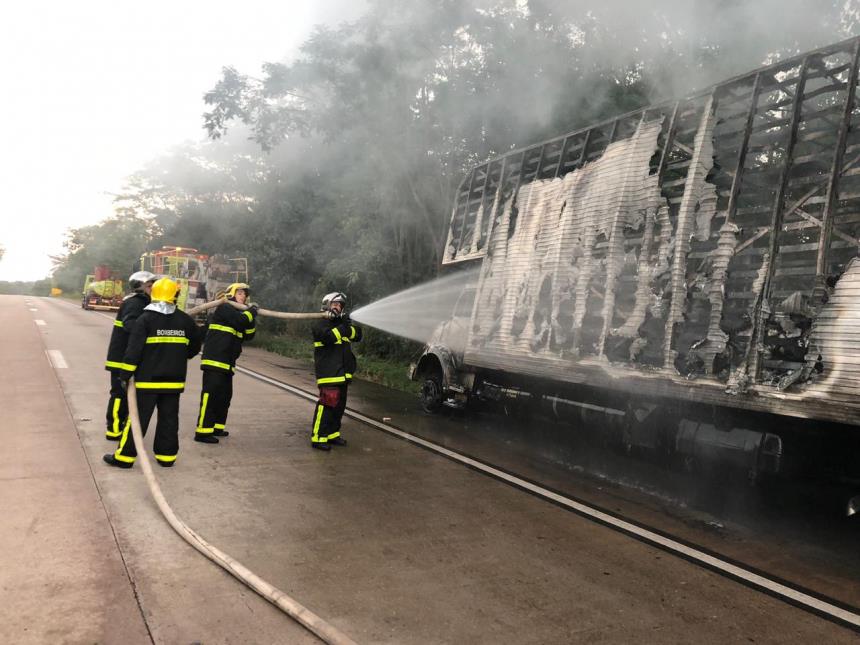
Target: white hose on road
328 633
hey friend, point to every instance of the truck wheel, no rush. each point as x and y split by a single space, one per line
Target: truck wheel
431 392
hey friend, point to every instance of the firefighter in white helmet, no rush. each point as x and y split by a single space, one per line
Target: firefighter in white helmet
132 306
334 365
227 329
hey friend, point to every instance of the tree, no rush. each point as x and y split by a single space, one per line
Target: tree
117 243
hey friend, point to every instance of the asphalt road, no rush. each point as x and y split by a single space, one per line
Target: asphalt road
388 542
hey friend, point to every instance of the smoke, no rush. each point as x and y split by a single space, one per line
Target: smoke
702 42
564 65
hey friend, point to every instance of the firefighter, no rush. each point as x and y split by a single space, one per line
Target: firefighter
132 306
334 364
162 340
228 328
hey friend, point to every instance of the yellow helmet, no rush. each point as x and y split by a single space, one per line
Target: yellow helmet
233 288
164 290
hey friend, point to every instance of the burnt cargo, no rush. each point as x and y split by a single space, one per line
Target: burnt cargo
702 250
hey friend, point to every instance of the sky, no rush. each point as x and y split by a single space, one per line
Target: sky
93 90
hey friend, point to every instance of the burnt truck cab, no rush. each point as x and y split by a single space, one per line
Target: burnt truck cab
445 380
684 268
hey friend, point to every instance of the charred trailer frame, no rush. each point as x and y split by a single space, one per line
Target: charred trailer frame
702 251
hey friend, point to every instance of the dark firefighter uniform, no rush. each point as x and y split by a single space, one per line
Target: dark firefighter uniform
117 409
228 328
334 364
157 356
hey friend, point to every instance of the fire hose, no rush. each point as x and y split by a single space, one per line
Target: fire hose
327 632
263 312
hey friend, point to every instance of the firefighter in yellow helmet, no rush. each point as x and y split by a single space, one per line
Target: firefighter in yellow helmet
334 365
227 329
162 340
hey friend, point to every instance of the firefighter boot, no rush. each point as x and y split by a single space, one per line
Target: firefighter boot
320 445
205 438
337 441
110 460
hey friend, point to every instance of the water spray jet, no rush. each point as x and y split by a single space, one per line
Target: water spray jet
417 312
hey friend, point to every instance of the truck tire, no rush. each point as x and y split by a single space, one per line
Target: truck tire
431 391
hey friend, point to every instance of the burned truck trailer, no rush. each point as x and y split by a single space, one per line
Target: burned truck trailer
675 266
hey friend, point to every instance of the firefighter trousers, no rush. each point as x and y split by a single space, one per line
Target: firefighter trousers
328 413
215 397
117 409
166 444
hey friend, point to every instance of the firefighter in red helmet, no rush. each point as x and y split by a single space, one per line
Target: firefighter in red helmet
334 365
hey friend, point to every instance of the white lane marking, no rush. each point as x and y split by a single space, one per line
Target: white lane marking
56 358
751 578
41 323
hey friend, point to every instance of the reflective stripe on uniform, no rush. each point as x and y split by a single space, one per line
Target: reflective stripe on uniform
115 415
352 332
248 315
118 454
203 404
229 330
223 366
318 343
334 435
117 323
332 379
253 330
315 437
167 339
165 458
337 335
348 376
121 366
219 426
159 386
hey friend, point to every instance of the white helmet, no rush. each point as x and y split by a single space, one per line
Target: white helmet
139 278
334 296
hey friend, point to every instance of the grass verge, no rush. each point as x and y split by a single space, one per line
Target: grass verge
390 373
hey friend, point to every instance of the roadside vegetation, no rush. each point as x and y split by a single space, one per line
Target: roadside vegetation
28 288
391 371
